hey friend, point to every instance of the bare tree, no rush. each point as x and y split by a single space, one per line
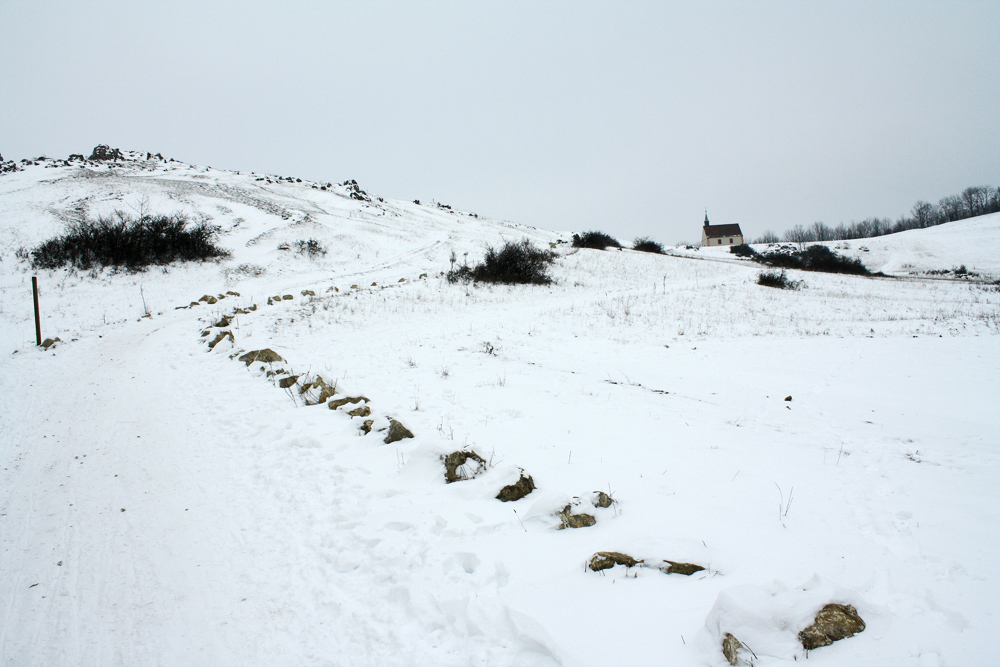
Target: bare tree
863 229
768 237
975 199
142 207
799 234
952 208
923 214
821 232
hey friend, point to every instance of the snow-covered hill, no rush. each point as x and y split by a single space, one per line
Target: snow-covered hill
261 220
163 502
973 243
939 251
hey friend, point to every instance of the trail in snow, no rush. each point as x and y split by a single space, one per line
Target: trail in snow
240 511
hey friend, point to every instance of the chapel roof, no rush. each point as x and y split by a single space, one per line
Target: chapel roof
718 231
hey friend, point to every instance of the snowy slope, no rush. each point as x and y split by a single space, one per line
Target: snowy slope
973 243
163 503
257 215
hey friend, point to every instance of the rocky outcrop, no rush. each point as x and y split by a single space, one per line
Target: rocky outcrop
103 152
354 191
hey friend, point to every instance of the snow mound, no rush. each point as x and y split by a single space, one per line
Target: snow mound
767 619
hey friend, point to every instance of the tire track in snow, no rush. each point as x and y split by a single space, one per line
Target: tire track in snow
109 585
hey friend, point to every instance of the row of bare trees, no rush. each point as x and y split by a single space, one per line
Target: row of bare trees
975 200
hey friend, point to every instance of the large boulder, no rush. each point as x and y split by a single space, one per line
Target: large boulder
397 432
605 560
519 489
267 356
674 567
832 623
731 648
340 402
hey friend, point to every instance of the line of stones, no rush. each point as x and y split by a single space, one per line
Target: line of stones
313 390
832 623
459 465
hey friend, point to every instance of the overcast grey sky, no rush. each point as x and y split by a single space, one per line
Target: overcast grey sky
629 117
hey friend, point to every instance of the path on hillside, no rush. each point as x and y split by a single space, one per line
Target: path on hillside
116 526
160 505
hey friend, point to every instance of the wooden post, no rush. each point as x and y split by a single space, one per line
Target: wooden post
38 322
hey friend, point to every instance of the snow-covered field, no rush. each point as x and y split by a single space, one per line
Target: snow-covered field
163 503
